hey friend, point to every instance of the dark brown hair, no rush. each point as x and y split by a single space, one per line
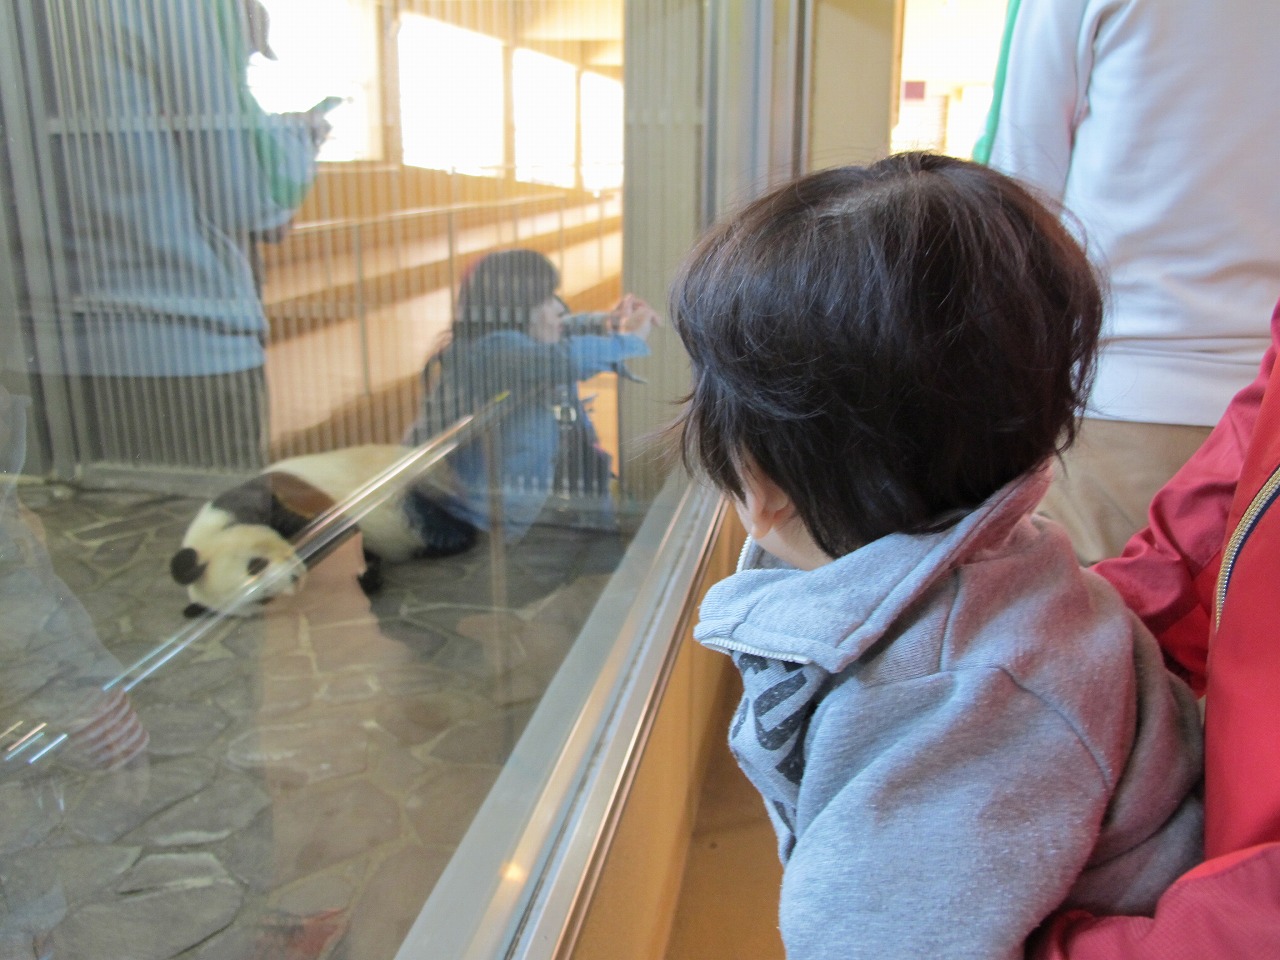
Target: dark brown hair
889 344
501 291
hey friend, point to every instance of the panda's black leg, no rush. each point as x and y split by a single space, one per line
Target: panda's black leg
371 579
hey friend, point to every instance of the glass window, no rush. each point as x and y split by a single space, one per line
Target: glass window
602 124
545 105
318 49
949 54
325 493
451 97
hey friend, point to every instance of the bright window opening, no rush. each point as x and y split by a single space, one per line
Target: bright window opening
949 54
601 114
325 48
545 99
451 97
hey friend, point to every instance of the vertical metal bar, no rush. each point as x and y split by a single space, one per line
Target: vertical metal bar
451 226
361 319
564 198
577 131
600 233
497 521
337 248
803 91
29 153
500 640
757 104
711 116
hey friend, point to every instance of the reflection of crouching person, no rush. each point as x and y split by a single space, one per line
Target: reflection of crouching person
955 729
510 338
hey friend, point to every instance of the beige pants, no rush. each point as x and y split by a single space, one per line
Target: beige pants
1105 482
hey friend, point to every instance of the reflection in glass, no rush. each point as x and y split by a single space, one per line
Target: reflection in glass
325 48
601 132
436 57
544 108
196 303
163 177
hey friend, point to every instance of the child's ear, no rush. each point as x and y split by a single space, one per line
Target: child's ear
765 506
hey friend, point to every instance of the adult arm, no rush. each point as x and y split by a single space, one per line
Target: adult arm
1168 571
472 372
1226 909
591 354
515 361
1046 61
634 320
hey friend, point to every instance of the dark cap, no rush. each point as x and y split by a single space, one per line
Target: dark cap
258 26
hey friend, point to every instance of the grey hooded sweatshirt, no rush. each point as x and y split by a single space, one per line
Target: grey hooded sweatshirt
955 734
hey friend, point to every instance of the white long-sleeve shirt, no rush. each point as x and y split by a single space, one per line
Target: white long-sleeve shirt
1157 124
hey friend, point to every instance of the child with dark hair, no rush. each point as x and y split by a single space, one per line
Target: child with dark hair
956 730
509 337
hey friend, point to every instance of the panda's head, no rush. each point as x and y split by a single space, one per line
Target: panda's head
221 557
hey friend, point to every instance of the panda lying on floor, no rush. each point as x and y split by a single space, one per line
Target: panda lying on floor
245 532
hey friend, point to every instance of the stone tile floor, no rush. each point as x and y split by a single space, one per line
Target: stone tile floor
309 772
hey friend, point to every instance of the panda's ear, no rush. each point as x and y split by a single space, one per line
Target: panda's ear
185 566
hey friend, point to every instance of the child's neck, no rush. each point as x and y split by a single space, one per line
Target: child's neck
791 542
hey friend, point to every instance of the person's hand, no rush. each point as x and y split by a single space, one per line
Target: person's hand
314 122
318 124
634 316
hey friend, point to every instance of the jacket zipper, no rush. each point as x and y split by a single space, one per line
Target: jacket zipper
734 646
1248 521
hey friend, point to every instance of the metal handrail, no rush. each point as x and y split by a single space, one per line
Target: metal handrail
312 227
510 889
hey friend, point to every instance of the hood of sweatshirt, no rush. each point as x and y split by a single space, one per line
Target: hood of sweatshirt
832 615
789 631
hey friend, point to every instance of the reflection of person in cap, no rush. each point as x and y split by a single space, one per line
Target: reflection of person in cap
257 30
509 336
158 191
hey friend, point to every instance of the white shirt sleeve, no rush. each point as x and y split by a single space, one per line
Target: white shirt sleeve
1049 57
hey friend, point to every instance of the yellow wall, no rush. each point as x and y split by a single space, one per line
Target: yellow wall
855 50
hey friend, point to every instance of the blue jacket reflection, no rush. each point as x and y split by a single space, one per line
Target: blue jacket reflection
543 382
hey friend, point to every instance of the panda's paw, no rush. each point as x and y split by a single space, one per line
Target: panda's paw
371 580
194 610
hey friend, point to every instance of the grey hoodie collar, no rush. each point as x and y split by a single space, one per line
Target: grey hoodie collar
832 615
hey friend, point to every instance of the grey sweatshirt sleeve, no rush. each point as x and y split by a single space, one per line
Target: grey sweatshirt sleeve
943 816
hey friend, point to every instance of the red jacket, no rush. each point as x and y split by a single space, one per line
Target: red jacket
1219 623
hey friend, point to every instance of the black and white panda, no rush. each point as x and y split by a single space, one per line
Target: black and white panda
245 532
